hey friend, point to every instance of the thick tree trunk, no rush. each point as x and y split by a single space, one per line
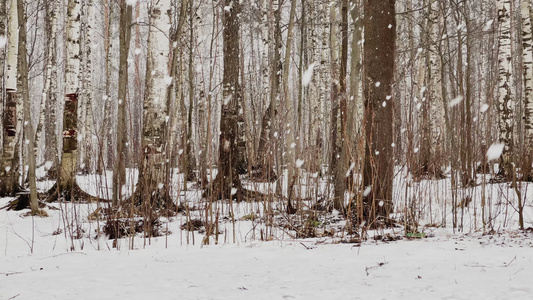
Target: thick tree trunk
227 183
8 178
505 84
379 53
153 187
67 174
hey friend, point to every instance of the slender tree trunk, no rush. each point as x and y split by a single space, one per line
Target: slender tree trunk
119 171
379 53
527 63
87 88
342 164
28 124
289 115
47 113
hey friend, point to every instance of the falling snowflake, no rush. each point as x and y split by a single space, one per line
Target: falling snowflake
352 165
3 41
455 101
308 75
299 163
484 107
367 191
495 151
168 80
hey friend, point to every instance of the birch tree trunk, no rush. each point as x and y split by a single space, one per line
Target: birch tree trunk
505 84
289 115
28 124
152 176
67 177
87 89
433 130
527 63
47 115
266 151
8 178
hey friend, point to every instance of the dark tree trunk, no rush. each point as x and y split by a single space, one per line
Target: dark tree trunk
379 52
228 177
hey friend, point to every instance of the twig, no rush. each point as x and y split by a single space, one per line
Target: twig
506 265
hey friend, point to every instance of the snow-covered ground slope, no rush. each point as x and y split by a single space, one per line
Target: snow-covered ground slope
37 261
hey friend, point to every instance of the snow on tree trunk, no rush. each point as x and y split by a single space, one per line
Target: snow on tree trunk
70 114
8 161
505 82
155 114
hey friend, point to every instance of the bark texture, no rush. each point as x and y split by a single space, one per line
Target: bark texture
379 52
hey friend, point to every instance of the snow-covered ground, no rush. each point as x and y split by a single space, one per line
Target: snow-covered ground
37 261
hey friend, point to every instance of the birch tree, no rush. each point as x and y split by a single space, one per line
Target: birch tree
152 176
47 113
8 166
67 173
505 83
28 124
527 63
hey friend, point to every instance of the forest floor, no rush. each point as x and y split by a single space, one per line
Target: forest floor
62 256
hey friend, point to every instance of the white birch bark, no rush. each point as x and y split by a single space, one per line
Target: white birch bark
436 111
12 49
70 114
72 67
10 107
155 114
158 75
28 124
527 63
50 68
505 78
87 88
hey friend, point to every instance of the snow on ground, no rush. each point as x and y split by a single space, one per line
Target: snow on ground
37 261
